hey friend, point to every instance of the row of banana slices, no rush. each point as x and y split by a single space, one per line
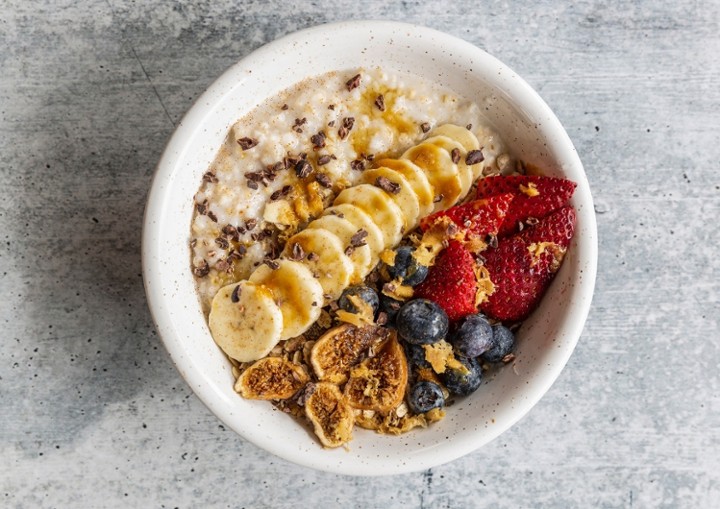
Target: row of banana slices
248 318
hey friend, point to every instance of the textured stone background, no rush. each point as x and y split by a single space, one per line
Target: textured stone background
93 414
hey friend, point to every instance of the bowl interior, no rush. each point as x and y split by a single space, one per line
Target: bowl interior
528 127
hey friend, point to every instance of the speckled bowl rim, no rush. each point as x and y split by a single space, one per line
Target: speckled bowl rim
508 84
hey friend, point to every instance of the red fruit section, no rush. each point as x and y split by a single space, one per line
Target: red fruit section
523 265
451 282
535 196
479 217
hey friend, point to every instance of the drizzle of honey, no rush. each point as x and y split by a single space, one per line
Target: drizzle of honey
399 124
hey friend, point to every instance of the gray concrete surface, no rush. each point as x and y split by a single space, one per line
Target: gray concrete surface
93 414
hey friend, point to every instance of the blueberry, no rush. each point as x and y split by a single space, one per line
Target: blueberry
474 336
462 384
422 322
406 268
363 292
424 396
503 343
390 306
415 355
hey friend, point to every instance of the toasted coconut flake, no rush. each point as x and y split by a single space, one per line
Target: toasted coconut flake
440 356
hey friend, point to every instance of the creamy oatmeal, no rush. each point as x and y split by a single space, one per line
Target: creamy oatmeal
255 193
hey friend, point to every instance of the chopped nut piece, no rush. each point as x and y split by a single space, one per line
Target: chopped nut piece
425 127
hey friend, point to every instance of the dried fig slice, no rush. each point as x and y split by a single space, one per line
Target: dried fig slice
341 348
271 378
378 383
332 417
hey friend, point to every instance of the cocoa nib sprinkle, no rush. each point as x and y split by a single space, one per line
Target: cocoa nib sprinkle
247 143
303 168
387 185
210 177
284 107
201 270
474 157
318 140
299 122
297 253
231 232
468 127
358 239
250 224
281 193
235 295
425 127
455 154
323 160
202 208
349 250
323 180
357 165
353 83
211 215
492 241
272 264
380 102
313 257
346 127
222 242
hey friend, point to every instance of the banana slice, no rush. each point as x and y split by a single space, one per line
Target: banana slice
361 221
417 179
463 136
466 172
245 321
349 238
323 253
398 188
294 289
380 207
458 133
442 173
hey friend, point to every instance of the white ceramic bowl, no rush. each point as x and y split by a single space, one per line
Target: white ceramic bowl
517 113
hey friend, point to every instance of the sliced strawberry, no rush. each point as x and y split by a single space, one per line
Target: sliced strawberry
451 282
523 265
477 218
535 196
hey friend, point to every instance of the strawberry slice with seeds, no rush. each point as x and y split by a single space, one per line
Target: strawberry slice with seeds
535 197
451 282
523 265
477 218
